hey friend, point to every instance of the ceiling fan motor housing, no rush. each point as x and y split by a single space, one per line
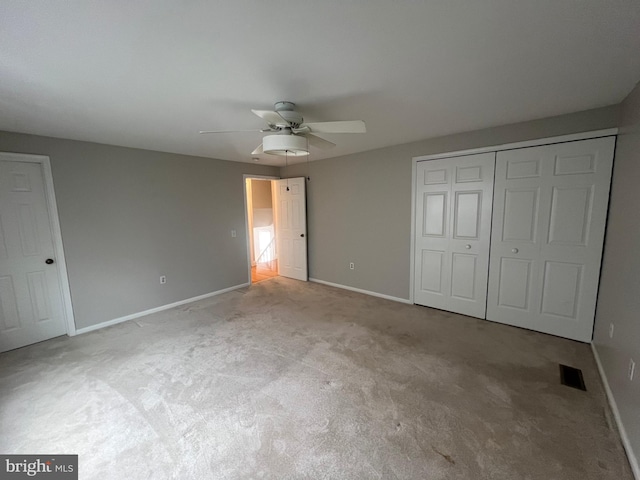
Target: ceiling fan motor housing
287 111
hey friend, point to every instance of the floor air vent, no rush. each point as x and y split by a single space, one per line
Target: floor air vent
572 377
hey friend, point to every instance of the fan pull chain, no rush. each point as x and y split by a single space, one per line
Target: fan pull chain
286 164
308 155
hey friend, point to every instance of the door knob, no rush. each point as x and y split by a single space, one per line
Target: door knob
514 250
467 246
302 234
49 261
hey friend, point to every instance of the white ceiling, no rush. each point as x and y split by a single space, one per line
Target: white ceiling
150 74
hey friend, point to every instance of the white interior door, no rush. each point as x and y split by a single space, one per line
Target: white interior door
453 228
291 227
548 228
30 294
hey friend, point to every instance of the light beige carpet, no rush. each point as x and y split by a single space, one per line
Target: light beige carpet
288 379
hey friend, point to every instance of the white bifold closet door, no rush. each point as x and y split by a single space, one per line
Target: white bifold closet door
453 223
549 215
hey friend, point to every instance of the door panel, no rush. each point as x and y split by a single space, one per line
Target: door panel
548 229
561 289
523 168
453 219
514 283
463 273
285 208
436 177
3 244
30 294
466 215
9 318
39 295
520 214
434 214
28 230
471 173
568 164
432 263
286 253
291 227
570 212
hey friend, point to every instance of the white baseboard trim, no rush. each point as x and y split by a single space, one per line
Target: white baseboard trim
633 461
115 321
359 290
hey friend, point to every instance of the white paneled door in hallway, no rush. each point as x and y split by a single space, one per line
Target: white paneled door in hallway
31 304
291 227
549 219
453 226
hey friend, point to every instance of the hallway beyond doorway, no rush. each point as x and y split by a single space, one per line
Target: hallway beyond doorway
264 271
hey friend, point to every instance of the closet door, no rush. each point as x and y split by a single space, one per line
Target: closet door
549 217
453 223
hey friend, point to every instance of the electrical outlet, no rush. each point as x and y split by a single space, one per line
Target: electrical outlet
352 266
611 330
233 233
163 279
632 368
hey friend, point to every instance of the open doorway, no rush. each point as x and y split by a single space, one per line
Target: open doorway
261 230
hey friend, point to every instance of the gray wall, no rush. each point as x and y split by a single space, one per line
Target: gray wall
261 193
262 203
619 296
359 206
128 216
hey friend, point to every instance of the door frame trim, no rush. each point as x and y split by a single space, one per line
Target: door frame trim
246 214
52 207
495 148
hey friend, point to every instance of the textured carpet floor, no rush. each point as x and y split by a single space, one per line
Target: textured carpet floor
288 379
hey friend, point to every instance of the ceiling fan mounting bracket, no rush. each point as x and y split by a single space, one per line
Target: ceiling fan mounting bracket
284 106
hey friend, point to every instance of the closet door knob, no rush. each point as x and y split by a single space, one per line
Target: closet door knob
49 261
514 250
467 246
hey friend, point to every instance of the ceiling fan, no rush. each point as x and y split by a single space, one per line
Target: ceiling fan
291 136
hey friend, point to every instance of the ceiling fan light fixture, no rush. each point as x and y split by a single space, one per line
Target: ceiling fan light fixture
285 145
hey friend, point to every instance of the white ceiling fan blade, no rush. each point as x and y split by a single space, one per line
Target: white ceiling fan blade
258 150
348 126
318 142
272 118
227 131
